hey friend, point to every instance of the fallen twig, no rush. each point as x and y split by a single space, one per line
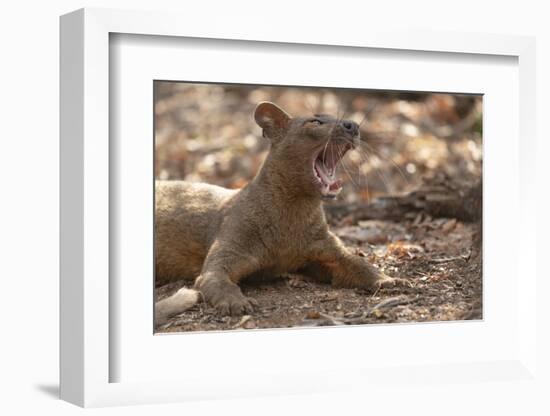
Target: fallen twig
243 320
389 302
446 259
322 320
384 304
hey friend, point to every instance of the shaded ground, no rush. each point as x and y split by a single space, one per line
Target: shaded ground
437 256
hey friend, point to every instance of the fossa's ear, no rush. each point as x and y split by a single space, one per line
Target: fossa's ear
272 119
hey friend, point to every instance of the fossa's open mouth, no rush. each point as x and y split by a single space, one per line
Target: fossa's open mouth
324 167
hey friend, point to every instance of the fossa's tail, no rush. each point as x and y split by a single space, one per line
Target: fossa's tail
173 305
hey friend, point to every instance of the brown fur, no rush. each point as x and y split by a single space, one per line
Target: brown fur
274 225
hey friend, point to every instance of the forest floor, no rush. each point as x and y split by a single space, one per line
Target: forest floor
436 255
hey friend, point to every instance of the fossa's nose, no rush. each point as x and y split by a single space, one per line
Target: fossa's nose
350 126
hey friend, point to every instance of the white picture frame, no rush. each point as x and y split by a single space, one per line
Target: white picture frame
86 354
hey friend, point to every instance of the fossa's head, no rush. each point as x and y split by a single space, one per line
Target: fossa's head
308 147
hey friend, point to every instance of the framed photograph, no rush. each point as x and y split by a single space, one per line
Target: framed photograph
268 213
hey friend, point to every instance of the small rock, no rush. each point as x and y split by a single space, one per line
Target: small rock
313 315
249 324
449 226
378 313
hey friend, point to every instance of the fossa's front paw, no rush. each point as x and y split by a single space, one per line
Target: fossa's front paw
235 305
225 296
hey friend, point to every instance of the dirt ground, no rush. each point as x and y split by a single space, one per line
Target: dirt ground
436 255
413 141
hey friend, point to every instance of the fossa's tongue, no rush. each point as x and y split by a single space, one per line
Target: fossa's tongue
324 168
